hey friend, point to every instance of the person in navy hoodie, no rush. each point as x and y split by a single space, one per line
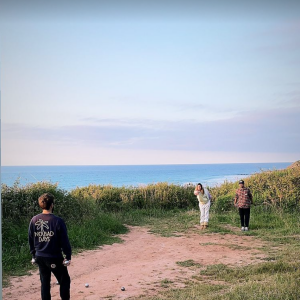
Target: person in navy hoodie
48 238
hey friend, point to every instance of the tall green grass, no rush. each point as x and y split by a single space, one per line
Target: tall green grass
87 226
277 189
160 196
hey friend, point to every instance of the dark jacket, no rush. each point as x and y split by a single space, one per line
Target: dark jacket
48 237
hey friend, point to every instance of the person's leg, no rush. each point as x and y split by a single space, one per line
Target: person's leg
63 278
206 214
65 285
247 217
45 277
201 207
242 216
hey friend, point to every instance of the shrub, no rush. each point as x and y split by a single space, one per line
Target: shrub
277 189
160 195
223 204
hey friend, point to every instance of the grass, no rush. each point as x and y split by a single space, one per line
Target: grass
103 228
165 283
95 215
188 263
276 277
84 234
163 222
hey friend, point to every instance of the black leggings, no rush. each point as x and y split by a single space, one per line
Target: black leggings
245 216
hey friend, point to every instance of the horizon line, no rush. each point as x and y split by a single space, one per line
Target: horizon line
89 165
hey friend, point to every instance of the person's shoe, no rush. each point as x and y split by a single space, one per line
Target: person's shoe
204 226
246 228
243 229
201 227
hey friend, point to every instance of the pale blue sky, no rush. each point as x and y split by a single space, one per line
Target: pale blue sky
153 83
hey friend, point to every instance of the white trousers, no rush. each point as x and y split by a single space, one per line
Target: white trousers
204 213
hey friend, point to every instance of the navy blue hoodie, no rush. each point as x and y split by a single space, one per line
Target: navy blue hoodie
48 237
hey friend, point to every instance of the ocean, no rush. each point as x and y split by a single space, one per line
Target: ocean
70 177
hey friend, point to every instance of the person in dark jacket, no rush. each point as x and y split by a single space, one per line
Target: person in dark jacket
48 238
243 200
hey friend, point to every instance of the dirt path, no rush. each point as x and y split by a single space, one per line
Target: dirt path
140 264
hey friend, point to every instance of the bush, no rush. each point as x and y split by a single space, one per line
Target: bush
87 226
223 204
160 195
277 189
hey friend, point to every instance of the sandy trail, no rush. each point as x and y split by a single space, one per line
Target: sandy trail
140 264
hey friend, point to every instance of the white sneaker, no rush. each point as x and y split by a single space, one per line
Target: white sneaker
246 228
243 229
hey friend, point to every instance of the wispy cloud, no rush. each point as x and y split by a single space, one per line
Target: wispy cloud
265 131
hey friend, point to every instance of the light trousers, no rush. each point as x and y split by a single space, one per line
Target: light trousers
204 213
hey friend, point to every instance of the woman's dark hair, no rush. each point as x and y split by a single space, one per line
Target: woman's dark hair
46 200
200 186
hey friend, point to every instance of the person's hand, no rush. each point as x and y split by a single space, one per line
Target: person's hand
66 262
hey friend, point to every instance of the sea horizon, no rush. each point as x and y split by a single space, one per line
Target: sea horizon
96 165
69 177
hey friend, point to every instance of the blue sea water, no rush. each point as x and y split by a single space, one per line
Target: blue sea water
70 177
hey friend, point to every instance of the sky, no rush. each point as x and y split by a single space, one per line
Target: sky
149 82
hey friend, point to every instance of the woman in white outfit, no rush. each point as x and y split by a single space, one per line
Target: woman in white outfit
204 198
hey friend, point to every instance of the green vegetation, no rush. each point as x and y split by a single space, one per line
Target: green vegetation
277 189
188 263
95 214
153 196
88 227
275 277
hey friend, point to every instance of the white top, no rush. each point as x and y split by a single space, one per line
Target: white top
205 198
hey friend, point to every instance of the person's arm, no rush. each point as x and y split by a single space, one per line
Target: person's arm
31 239
64 241
250 196
209 195
236 198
